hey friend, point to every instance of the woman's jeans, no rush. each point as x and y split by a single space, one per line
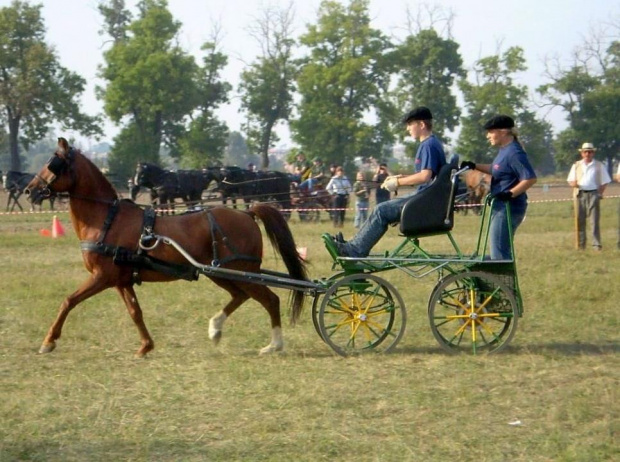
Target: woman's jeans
499 234
361 213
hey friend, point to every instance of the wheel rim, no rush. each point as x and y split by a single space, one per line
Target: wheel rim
473 312
362 312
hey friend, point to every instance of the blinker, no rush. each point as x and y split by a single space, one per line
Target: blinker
56 165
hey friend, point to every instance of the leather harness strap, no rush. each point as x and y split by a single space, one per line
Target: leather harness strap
138 259
215 230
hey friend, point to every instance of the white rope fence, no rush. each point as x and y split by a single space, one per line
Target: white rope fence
184 208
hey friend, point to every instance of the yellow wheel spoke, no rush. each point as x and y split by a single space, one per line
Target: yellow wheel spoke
458 302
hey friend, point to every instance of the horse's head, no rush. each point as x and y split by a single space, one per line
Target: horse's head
55 176
147 175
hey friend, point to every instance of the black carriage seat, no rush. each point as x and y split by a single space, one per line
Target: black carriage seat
431 211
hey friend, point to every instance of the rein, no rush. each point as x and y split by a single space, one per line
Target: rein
225 181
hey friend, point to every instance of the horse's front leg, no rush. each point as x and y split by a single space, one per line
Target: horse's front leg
128 295
91 287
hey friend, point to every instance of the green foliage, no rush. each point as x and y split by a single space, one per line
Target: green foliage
427 67
150 79
495 92
129 149
204 143
340 82
116 19
589 92
35 90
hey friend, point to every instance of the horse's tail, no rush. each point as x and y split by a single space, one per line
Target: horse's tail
282 240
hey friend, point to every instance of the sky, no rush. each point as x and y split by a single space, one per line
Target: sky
543 28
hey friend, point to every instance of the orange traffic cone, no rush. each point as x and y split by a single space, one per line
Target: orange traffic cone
57 229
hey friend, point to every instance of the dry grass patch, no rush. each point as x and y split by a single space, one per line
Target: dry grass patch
91 400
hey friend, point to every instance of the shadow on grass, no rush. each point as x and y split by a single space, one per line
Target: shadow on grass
108 450
560 348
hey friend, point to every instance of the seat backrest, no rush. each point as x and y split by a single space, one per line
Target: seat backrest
431 211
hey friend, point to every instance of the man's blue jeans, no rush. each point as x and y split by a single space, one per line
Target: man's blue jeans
499 233
371 231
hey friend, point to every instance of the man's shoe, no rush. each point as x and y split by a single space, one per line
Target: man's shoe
342 249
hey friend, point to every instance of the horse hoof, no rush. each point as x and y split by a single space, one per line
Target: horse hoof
47 348
216 337
271 349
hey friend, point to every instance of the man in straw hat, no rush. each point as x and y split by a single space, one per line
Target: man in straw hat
589 178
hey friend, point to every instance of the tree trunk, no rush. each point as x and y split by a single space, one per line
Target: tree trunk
14 143
264 145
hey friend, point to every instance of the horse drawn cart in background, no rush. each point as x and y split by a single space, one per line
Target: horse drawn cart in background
309 205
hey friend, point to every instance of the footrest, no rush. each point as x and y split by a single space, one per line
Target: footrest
330 245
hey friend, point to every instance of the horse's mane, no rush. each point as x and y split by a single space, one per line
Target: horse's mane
95 170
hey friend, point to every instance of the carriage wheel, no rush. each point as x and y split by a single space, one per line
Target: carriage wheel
472 311
311 212
362 312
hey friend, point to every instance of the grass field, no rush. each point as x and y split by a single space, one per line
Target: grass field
551 395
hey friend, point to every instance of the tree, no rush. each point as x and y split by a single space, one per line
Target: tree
427 67
495 92
589 93
237 152
341 82
267 85
427 64
35 90
204 142
151 81
116 19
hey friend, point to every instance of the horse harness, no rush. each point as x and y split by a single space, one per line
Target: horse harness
139 259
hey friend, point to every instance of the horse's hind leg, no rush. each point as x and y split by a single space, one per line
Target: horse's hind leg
265 296
128 295
89 288
216 323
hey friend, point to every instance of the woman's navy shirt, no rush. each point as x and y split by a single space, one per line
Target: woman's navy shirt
509 168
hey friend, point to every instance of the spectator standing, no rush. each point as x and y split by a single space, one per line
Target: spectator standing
340 188
589 178
362 194
381 194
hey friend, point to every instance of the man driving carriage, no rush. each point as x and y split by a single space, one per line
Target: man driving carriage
429 159
316 178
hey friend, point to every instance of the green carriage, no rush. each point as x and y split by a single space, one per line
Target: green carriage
474 306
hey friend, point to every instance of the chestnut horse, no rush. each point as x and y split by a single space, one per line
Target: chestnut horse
478 186
238 246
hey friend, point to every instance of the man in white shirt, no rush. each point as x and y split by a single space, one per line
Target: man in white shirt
340 188
589 178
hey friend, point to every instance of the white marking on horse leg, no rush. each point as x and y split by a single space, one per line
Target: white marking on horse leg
215 326
277 342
